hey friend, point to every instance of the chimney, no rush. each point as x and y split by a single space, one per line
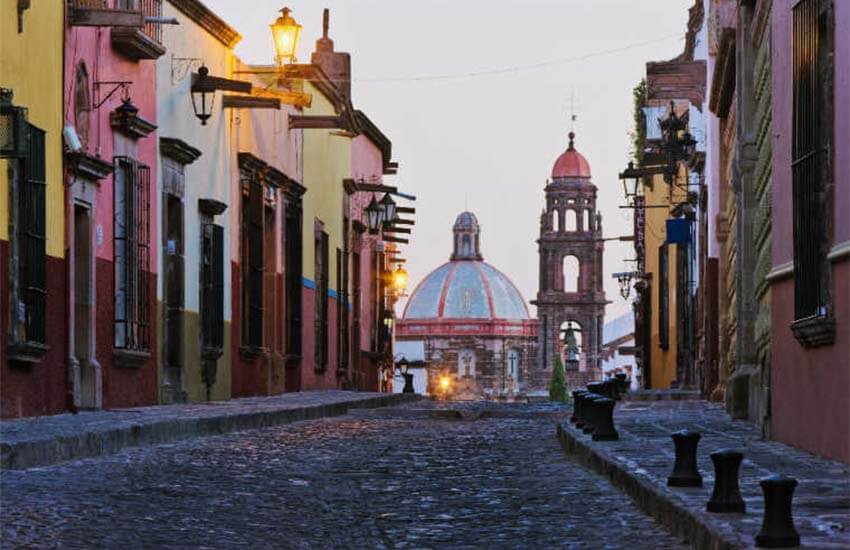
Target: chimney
337 65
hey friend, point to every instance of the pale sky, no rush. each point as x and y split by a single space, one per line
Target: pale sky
488 142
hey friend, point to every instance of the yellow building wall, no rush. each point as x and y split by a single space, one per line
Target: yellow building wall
37 84
327 161
662 362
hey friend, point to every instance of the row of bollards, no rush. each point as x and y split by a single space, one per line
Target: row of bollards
593 413
593 409
777 530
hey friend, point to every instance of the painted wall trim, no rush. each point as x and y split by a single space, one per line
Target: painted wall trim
309 283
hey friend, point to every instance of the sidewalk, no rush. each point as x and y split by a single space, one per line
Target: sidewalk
641 460
45 440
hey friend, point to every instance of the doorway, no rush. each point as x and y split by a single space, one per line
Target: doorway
85 371
173 292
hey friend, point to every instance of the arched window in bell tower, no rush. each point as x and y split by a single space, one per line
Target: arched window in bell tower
571 273
572 220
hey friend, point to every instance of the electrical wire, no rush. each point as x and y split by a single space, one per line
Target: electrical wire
517 68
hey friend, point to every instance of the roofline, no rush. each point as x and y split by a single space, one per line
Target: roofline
208 20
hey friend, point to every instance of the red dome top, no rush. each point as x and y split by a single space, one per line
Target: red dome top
571 163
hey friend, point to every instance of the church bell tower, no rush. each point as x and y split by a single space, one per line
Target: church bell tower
570 298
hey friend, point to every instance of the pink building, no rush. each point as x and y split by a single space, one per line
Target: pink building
110 106
810 283
371 257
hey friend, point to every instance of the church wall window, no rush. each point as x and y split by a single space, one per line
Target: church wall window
466 364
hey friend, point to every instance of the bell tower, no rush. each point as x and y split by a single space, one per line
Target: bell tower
570 297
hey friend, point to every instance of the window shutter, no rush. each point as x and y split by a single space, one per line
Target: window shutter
218 267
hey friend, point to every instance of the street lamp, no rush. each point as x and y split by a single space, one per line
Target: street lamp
285 32
399 279
374 215
388 205
202 96
625 280
634 174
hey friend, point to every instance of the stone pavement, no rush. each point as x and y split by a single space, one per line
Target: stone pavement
641 460
422 475
47 440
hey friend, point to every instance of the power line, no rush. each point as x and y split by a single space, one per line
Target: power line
517 68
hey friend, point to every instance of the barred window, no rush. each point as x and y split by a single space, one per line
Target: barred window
252 261
294 276
322 269
29 255
212 286
663 298
812 131
132 254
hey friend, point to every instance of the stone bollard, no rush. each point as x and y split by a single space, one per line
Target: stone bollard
604 428
685 470
581 408
726 496
576 404
777 529
623 381
591 410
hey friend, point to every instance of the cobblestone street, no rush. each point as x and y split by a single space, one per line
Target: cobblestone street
418 475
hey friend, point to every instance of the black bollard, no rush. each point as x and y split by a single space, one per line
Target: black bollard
581 408
623 381
604 429
726 496
574 416
777 529
685 470
591 413
613 388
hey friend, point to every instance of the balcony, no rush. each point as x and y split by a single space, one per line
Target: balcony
143 42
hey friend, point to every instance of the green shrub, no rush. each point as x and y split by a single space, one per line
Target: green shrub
557 387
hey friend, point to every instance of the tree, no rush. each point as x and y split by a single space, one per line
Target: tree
557 387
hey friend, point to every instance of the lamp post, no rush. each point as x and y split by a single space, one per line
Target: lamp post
404 366
285 32
202 96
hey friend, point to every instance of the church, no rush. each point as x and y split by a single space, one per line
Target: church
480 341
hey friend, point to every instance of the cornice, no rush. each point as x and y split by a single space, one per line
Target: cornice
723 79
178 150
209 21
269 174
88 166
131 126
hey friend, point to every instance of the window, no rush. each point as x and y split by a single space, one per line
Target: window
466 364
294 275
251 247
212 287
571 274
341 308
321 268
811 142
663 298
28 280
132 254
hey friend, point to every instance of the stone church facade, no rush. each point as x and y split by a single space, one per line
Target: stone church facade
474 323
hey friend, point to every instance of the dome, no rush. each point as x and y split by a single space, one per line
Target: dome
571 163
466 289
466 219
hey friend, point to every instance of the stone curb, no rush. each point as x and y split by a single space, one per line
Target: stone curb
674 514
52 450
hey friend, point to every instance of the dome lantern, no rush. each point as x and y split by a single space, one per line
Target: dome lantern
467 242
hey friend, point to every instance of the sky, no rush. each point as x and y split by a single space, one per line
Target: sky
476 96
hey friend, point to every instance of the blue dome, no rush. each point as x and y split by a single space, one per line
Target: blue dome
466 289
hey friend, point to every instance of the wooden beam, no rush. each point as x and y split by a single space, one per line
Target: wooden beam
390 239
327 122
249 102
212 83
405 210
403 222
106 17
392 229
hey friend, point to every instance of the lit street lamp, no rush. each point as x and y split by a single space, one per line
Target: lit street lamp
399 280
285 32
